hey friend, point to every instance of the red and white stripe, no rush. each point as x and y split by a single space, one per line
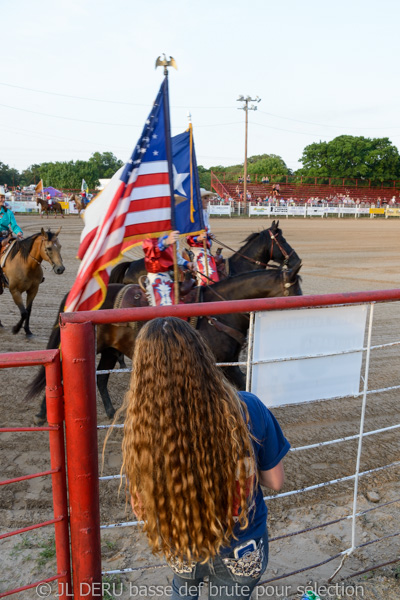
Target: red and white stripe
121 216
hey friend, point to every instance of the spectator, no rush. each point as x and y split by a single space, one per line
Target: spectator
248 179
195 452
237 190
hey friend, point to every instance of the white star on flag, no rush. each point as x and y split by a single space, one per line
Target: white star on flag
179 178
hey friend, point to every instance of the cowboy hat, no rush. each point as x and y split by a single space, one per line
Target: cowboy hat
204 192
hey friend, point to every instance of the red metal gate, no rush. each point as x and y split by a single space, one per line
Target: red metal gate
50 359
78 348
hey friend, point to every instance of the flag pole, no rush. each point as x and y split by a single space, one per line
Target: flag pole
191 192
163 62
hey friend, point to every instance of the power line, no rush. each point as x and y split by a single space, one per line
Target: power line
104 123
20 87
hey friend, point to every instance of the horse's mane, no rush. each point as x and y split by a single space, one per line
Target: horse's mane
25 246
253 236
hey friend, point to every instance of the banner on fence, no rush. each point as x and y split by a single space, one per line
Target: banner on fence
23 206
259 210
310 346
219 209
377 211
393 212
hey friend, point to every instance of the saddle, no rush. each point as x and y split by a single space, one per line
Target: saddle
5 247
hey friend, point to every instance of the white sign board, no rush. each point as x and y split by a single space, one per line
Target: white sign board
23 206
259 210
307 333
219 209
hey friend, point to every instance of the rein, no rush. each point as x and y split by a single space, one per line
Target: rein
256 262
274 240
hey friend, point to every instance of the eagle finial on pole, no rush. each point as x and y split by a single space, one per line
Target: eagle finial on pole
163 62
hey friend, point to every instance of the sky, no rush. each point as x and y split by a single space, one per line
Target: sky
78 76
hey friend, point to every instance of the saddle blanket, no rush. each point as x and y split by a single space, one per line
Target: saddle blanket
6 253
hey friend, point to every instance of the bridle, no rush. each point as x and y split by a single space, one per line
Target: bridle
274 240
52 263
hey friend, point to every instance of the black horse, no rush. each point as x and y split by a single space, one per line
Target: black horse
258 250
225 334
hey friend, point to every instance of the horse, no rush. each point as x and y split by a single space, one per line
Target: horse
258 250
225 335
48 208
24 272
78 202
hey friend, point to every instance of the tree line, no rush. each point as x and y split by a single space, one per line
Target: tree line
64 175
346 156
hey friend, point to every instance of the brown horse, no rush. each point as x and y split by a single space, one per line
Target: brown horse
49 208
24 272
79 204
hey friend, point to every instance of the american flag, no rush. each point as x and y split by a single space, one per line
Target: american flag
136 204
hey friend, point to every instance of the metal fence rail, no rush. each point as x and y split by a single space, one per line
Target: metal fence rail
50 359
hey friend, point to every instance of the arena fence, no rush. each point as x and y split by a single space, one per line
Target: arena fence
78 350
50 359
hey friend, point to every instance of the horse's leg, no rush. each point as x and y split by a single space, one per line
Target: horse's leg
30 296
235 376
41 416
108 359
18 301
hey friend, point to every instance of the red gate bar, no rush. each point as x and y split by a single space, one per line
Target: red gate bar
79 375
121 315
54 398
30 528
55 418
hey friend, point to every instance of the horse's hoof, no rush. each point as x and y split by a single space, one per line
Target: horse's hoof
29 334
110 414
15 329
38 420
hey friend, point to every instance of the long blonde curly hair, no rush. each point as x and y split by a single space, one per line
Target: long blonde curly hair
187 450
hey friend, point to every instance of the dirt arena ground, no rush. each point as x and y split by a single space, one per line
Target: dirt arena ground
338 256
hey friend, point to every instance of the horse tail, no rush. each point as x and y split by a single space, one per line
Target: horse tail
37 385
118 272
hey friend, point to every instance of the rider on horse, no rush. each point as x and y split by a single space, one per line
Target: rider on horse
7 224
196 242
159 261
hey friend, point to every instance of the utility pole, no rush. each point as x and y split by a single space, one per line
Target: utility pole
246 108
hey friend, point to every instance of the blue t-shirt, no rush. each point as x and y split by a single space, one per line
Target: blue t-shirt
269 450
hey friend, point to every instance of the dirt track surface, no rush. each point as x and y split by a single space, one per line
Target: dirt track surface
338 256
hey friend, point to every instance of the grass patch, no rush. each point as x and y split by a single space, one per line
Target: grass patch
112 583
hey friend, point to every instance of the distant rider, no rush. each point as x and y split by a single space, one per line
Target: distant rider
7 224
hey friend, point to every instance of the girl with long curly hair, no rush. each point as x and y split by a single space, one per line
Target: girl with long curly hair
195 452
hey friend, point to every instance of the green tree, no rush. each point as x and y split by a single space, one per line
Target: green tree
9 175
30 175
352 157
204 177
266 164
105 164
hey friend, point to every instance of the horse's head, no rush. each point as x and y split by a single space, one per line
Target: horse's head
291 281
50 250
279 250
